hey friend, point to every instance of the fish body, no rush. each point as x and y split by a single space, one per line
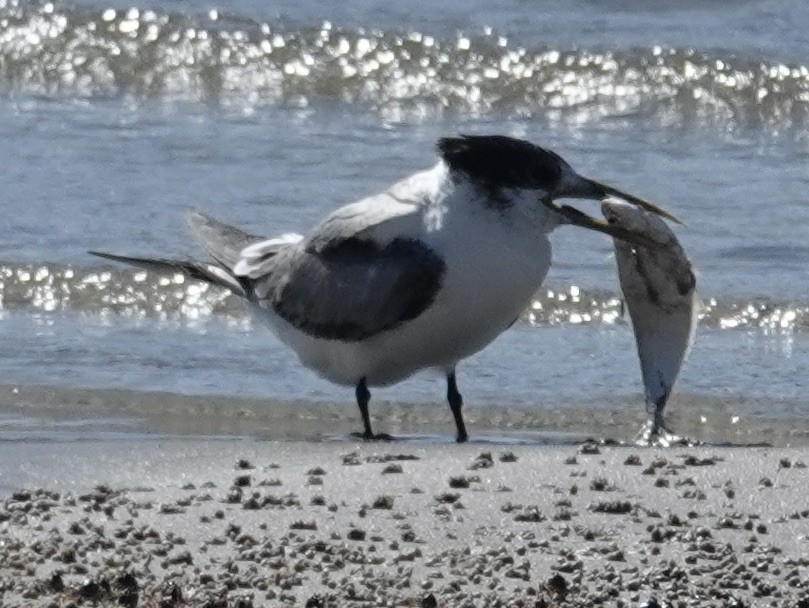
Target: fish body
659 289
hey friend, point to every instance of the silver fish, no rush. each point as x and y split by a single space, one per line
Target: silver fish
659 290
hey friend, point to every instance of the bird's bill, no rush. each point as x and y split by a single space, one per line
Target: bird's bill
604 191
578 218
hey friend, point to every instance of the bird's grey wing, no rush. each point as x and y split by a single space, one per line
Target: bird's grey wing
383 217
360 272
223 242
254 259
241 254
379 219
353 289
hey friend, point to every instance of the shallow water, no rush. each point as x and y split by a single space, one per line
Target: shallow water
113 120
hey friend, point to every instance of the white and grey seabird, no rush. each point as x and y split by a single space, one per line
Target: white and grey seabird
420 276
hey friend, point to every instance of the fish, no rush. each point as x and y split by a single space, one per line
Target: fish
659 292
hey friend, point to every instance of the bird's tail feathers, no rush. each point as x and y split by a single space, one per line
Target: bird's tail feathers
224 243
210 273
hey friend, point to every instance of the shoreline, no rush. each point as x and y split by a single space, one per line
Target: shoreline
268 523
40 413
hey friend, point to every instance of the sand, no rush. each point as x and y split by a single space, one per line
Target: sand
215 523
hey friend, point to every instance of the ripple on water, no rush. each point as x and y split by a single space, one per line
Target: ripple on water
234 61
107 292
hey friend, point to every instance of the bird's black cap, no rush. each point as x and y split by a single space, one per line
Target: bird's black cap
502 162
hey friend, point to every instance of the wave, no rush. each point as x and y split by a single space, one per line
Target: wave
54 51
107 292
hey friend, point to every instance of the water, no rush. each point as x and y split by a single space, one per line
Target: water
114 119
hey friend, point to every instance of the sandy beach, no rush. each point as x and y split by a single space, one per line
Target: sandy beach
216 523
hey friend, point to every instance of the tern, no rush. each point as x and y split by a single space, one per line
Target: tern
420 276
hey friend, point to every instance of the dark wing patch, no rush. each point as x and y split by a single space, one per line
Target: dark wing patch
496 161
352 290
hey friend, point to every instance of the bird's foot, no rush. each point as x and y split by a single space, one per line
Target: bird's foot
372 436
657 435
462 438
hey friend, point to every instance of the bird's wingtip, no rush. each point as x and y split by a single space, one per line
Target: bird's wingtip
197 220
124 259
193 213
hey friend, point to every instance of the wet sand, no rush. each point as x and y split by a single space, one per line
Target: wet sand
36 413
206 522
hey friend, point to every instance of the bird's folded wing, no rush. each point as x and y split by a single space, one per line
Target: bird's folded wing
253 259
380 218
223 242
353 289
360 272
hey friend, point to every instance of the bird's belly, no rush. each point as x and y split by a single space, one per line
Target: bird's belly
338 361
475 307
482 295
439 338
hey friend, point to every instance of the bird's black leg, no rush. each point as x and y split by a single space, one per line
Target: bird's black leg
455 404
363 397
